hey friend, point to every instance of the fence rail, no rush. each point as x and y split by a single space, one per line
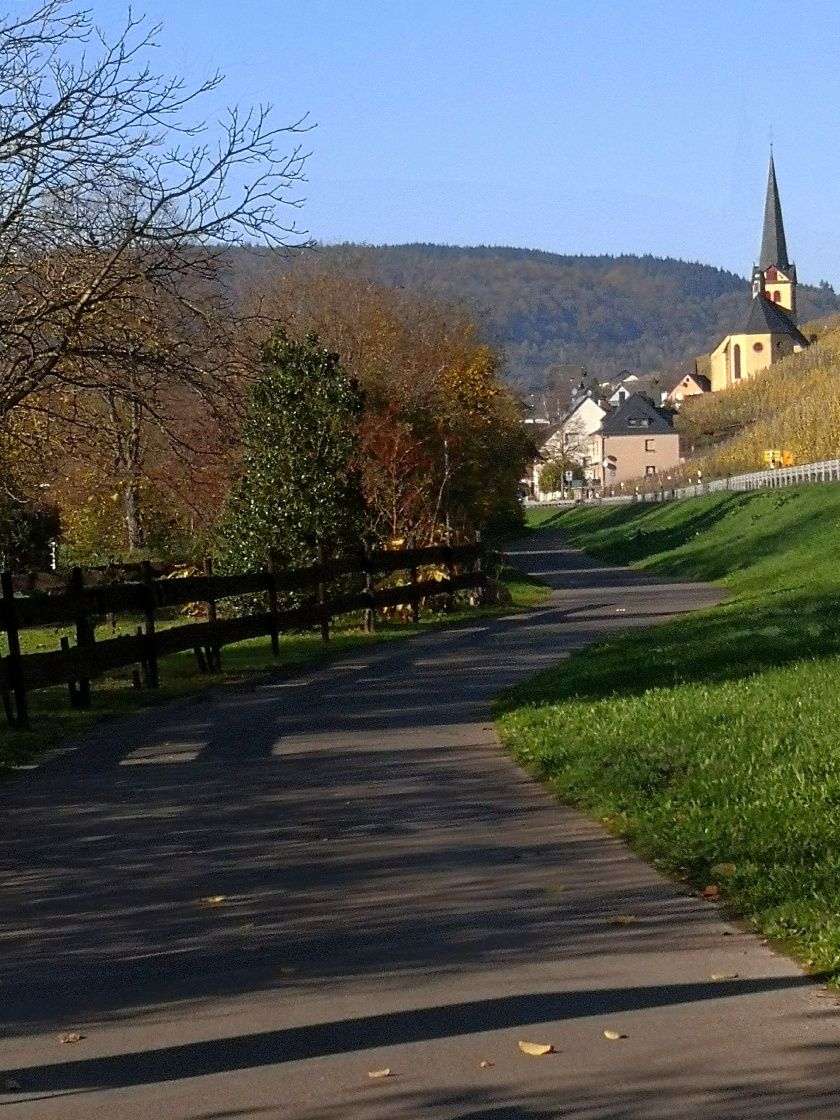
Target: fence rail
80 604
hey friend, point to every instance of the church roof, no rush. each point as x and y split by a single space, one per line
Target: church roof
766 317
773 245
637 417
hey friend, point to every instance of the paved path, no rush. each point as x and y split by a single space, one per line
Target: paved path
391 899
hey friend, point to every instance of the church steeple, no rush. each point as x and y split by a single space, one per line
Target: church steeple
774 277
773 245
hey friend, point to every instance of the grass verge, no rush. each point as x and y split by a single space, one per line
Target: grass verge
52 719
712 742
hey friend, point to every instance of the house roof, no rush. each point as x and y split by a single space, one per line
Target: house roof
699 380
773 245
766 317
637 417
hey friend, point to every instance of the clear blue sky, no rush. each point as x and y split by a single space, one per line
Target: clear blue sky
576 126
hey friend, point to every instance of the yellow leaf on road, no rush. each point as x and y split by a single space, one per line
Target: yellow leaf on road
724 976
614 1036
623 919
537 1049
485 1065
378 1074
213 899
71 1036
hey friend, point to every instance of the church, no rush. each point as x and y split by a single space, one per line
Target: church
769 331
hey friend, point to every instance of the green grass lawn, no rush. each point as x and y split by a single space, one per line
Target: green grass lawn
714 739
52 719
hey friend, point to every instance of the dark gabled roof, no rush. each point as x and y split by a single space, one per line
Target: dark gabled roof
773 245
703 382
766 317
637 417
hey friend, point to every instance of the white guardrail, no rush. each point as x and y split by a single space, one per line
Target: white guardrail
771 479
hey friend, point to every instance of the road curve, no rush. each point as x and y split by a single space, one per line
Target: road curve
247 902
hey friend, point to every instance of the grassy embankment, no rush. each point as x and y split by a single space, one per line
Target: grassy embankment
714 739
52 719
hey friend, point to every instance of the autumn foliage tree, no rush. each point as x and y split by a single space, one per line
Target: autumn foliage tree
440 440
118 203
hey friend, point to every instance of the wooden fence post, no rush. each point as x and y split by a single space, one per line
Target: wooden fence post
149 611
370 613
20 717
322 594
414 577
212 652
84 635
449 602
271 568
477 565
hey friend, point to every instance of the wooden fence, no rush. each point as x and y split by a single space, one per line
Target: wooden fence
82 602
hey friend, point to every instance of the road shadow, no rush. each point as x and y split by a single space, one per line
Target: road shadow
292 1044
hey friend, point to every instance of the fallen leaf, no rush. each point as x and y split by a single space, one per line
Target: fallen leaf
623 920
378 1074
71 1036
12 1085
288 971
614 1036
485 1065
710 892
724 976
724 870
537 1049
556 891
213 899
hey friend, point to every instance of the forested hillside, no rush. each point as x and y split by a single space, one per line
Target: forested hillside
605 313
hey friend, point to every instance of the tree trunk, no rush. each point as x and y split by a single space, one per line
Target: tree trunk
133 516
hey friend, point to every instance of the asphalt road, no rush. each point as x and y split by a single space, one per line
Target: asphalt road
249 901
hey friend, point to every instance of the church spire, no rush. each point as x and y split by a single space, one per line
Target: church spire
773 247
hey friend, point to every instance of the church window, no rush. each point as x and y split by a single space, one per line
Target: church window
736 354
650 469
650 445
758 347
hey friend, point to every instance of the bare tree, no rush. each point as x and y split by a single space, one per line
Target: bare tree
111 195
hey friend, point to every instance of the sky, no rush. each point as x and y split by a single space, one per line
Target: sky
574 126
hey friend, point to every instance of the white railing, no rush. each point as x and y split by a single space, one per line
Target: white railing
777 478
771 479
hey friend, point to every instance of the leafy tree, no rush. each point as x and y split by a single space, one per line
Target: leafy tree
26 530
111 189
297 485
442 439
553 475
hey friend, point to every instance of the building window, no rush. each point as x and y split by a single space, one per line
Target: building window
758 347
650 470
650 445
777 297
736 355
